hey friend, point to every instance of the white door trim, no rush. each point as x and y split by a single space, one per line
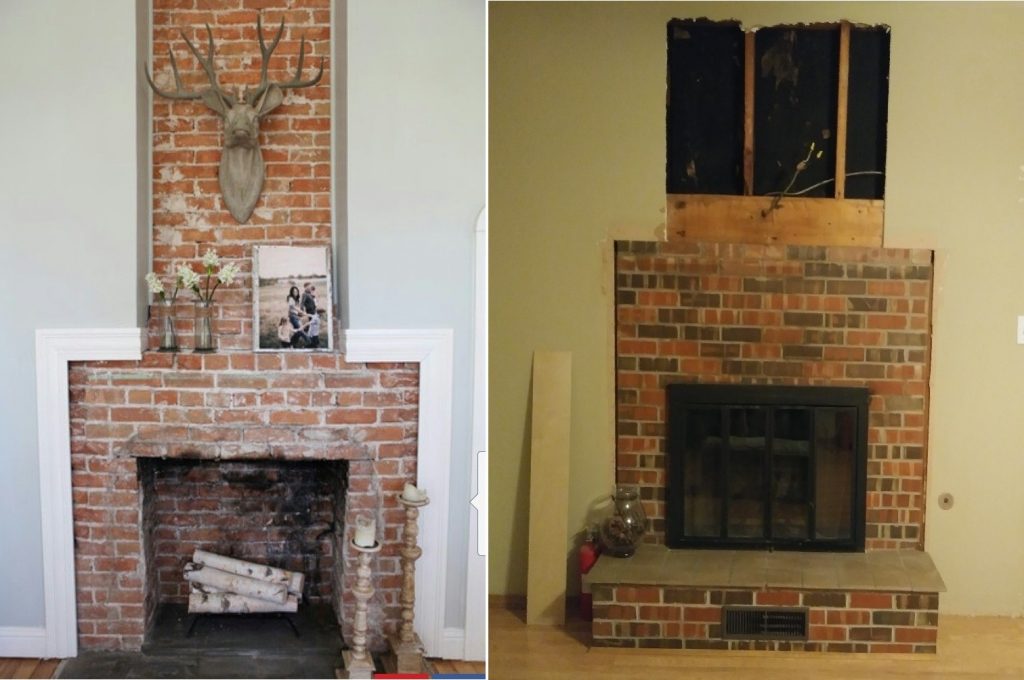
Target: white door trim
54 349
433 350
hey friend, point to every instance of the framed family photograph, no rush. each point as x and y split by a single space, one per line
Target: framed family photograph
292 298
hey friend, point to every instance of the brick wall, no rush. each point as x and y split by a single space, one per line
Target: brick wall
188 211
233 405
690 618
236 406
796 315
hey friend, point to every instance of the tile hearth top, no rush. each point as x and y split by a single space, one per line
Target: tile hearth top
889 570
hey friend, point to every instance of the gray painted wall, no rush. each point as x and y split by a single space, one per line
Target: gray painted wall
67 227
415 143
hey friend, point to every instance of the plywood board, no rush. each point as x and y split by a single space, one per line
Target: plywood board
549 487
796 220
844 90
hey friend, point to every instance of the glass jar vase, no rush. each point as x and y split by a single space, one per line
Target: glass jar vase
203 338
621 532
168 338
631 510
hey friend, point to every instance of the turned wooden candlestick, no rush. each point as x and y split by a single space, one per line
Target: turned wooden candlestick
358 662
406 647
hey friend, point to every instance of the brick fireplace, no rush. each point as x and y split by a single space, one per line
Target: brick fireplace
145 435
264 456
779 315
723 314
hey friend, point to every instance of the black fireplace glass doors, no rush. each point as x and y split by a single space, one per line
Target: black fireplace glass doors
760 466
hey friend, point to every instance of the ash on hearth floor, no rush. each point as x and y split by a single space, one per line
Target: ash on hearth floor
226 646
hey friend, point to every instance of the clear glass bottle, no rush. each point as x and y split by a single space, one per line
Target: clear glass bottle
204 327
168 338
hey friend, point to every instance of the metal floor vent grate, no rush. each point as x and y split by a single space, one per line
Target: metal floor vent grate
764 623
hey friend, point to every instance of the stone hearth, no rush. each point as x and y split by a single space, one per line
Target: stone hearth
879 601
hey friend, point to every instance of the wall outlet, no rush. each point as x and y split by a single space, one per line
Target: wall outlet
1020 330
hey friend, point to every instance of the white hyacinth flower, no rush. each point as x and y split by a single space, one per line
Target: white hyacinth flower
227 273
210 259
187 277
156 287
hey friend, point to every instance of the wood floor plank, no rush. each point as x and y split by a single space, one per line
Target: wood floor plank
7 667
25 668
47 668
447 667
972 648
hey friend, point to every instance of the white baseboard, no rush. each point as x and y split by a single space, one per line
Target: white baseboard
453 644
22 641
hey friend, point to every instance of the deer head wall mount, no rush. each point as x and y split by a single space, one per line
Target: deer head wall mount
241 164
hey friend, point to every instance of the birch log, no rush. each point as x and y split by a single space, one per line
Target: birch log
293 579
233 583
233 603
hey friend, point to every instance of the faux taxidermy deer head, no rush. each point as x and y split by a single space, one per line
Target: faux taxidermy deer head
241 163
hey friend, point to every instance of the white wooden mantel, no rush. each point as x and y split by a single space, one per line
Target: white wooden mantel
55 348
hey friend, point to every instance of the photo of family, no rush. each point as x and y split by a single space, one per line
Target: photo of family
293 298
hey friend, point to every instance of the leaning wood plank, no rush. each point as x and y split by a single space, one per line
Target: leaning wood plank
233 565
549 484
844 91
233 603
233 583
796 221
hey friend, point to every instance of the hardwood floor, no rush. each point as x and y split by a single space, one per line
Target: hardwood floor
45 668
445 667
28 668
969 647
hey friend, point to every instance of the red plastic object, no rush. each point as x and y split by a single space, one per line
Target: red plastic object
589 552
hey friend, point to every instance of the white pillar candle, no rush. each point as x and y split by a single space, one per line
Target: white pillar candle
411 493
366 532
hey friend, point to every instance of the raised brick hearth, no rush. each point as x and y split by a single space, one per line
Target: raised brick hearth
838 621
881 601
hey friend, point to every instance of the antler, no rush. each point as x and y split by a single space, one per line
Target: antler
207 65
296 81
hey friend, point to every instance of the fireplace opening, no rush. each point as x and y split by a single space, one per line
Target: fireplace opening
282 514
754 466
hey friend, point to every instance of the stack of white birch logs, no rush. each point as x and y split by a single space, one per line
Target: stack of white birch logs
225 585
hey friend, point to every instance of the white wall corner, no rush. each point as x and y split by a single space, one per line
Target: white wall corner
433 350
54 349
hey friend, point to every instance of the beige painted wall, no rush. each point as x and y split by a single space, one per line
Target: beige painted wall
577 155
